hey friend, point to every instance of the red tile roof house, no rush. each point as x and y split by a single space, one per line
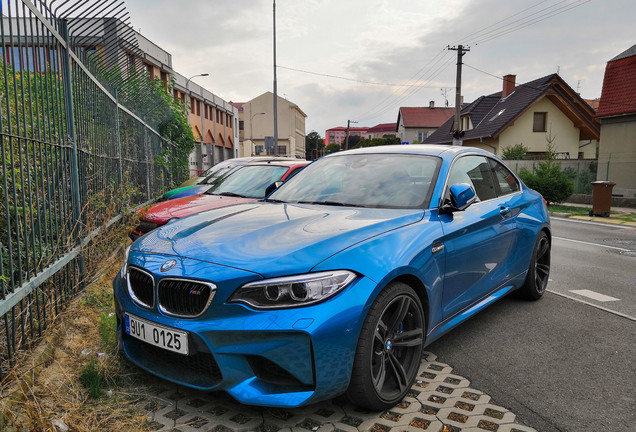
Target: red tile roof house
617 114
382 130
533 113
417 123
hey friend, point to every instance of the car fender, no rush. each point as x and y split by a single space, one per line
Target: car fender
411 261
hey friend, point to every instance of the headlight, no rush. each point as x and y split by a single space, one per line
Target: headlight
124 268
293 291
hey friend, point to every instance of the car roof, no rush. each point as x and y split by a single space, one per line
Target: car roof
286 162
419 149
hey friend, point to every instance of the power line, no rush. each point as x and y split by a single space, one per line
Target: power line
350 79
390 101
532 21
465 38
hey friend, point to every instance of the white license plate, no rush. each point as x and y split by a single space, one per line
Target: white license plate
157 335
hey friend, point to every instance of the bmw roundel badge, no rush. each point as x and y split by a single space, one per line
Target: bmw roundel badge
168 265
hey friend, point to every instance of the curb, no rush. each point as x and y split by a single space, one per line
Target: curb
593 219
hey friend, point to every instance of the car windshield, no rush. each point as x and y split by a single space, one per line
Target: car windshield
249 181
219 173
363 180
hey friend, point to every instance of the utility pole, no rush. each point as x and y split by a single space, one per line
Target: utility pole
457 133
275 90
347 135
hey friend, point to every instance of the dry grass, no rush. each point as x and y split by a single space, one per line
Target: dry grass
45 388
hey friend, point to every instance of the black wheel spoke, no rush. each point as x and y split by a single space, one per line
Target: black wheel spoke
380 332
378 380
399 314
398 372
408 338
543 270
543 249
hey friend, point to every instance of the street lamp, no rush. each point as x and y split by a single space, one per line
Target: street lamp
252 130
188 91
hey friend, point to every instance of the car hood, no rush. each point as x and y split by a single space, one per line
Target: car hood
272 238
162 212
173 192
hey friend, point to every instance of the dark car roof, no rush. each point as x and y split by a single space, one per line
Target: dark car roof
287 162
419 149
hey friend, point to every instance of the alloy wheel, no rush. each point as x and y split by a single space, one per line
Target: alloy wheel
542 264
397 346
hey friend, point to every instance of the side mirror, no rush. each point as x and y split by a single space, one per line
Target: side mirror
462 195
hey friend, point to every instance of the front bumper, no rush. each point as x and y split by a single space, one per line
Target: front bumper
283 358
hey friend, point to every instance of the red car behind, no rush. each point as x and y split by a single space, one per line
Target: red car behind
250 182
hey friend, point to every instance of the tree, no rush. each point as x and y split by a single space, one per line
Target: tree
373 142
313 145
333 147
353 141
549 180
515 152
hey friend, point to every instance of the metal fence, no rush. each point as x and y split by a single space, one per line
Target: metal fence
71 152
582 172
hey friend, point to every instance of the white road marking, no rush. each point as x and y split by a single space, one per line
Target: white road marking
594 295
592 244
594 305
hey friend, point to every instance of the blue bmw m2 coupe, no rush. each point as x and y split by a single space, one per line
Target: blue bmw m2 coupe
336 281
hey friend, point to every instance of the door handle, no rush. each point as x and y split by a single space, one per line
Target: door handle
437 247
503 210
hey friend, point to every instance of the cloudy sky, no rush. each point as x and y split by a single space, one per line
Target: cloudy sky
361 60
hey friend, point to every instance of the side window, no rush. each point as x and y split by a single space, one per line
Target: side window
475 171
506 183
294 172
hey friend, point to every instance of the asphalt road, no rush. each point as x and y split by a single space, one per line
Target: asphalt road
561 363
595 263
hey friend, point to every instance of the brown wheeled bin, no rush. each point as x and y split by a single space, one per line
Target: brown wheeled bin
601 198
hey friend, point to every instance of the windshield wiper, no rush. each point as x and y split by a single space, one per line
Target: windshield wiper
230 194
274 200
334 203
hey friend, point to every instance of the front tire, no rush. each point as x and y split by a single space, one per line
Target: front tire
389 350
539 270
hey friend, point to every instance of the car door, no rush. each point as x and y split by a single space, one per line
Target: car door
476 241
511 202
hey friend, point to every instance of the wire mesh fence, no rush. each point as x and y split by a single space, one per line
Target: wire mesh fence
78 141
582 172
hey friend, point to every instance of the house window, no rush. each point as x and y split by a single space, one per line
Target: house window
258 149
539 122
421 136
241 125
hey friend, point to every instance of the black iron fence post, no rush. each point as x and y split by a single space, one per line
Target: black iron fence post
70 131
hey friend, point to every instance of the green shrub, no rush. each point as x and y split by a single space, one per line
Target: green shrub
550 181
514 152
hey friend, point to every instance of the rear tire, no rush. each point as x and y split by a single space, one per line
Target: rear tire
539 270
389 351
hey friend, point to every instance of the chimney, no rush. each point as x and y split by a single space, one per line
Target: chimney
431 104
508 85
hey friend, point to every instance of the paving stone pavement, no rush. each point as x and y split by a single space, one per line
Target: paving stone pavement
439 401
